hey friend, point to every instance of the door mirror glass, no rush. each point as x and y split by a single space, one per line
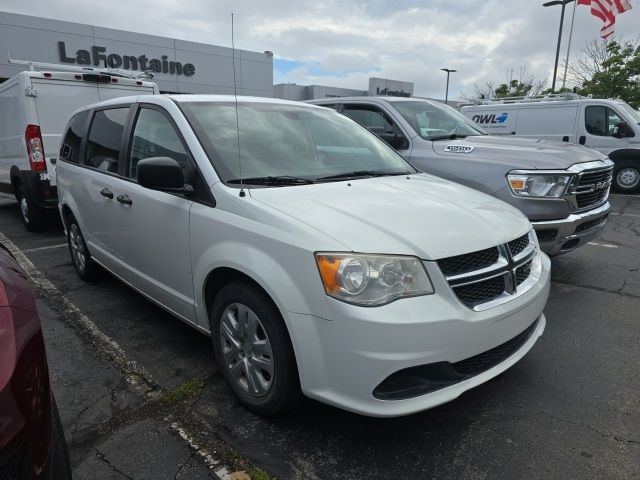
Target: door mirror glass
160 173
622 130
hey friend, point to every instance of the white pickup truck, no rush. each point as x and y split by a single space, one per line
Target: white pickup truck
35 106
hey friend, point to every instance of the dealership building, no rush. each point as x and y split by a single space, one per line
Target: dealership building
178 66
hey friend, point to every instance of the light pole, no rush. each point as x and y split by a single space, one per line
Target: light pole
555 66
449 71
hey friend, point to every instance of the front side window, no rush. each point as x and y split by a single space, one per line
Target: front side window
70 147
154 136
433 121
105 137
277 140
378 122
601 120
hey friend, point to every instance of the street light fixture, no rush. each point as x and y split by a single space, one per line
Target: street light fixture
449 71
555 66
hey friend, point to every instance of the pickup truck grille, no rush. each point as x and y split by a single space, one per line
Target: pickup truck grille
481 278
592 188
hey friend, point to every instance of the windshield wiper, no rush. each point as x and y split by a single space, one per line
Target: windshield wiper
362 173
451 136
272 180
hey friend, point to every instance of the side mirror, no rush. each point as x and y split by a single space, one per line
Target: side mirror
394 140
622 130
161 173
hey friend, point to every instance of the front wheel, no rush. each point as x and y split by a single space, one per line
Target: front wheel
626 175
253 349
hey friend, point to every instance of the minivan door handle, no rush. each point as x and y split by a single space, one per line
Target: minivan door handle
105 192
124 199
582 140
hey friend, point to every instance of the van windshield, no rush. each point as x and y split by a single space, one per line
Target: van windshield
628 109
283 144
433 121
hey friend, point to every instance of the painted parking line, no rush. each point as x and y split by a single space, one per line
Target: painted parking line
41 249
605 245
133 373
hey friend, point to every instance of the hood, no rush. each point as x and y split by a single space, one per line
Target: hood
520 152
417 215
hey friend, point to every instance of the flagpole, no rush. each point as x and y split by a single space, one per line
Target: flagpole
566 63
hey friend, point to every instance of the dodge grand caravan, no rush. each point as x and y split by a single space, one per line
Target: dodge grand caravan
319 261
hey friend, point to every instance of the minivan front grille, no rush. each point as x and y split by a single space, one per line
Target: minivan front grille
479 279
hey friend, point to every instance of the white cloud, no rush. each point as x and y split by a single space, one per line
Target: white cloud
342 43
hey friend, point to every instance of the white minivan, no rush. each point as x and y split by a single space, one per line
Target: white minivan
610 126
35 106
316 257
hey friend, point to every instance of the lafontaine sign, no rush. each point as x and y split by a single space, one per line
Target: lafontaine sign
98 57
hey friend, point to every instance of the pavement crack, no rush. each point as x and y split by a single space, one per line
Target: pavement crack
103 458
592 428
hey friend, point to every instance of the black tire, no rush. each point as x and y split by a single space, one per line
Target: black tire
84 265
626 175
61 464
33 217
284 391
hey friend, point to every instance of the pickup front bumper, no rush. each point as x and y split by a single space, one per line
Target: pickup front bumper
561 236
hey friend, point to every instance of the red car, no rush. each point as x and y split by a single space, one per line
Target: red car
32 444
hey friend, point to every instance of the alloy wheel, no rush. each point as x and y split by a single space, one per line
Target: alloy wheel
24 209
246 350
77 247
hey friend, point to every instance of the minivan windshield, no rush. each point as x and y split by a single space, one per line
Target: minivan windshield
433 121
628 109
283 144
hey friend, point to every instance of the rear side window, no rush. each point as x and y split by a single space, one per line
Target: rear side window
105 137
70 147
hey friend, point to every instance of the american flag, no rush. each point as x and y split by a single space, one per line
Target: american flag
606 10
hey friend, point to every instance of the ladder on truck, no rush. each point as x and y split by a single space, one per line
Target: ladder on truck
114 72
550 97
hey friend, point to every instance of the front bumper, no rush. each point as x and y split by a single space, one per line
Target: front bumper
562 236
341 362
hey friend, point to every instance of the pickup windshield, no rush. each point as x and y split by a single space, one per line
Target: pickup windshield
288 145
433 121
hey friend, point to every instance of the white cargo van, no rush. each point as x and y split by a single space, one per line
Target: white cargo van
609 126
35 106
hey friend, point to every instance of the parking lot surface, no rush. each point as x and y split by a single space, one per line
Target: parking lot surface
141 398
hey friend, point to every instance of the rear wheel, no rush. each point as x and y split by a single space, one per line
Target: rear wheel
626 175
33 217
84 265
253 349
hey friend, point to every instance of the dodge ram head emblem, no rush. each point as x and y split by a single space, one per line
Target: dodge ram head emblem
459 148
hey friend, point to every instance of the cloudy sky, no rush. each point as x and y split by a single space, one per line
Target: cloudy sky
343 43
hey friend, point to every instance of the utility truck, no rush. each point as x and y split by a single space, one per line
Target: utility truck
35 106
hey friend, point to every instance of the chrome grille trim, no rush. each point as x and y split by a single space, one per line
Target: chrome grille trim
507 266
589 187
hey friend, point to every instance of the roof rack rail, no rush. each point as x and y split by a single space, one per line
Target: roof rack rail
549 97
114 72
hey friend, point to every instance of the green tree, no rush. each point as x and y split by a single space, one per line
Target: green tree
518 83
618 75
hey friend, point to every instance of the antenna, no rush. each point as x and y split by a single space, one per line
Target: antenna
235 95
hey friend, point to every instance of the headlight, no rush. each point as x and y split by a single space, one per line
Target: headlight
533 184
372 280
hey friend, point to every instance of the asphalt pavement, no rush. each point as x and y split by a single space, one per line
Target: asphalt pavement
140 396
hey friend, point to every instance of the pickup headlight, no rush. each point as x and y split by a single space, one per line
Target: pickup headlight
538 185
372 280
